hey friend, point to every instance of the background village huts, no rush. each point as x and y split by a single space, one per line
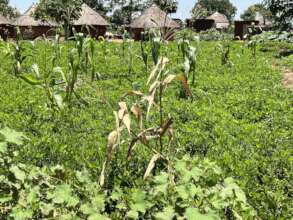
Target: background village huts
244 28
32 28
5 27
221 20
153 17
91 22
216 20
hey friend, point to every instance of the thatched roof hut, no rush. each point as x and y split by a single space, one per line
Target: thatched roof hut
32 28
221 20
91 19
4 21
152 17
28 20
5 27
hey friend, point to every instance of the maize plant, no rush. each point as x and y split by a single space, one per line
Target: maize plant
225 48
150 137
18 52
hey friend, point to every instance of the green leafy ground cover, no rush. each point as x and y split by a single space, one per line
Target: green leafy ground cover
240 117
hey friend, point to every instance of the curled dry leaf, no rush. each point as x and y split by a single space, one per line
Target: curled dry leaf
126 121
184 82
112 143
168 79
158 69
150 100
134 93
102 176
135 109
124 116
170 135
151 165
166 127
121 114
154 86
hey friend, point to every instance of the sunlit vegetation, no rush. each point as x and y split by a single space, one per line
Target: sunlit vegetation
144 130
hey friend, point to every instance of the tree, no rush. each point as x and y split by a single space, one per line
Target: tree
211 6
169 6
63 12
125 9
6 10
282 11
250 13
101 6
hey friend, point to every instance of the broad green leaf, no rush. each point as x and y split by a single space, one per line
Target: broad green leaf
132 214
3 147
12 136
167 214
98 217
87 209
33 195
46 208
18 173
183 191
63 194
139 201
21 213
194 214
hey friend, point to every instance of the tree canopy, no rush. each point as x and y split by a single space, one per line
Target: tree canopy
169 6
250 12
204 8
282 11
101 6
124 9
63 12
6 10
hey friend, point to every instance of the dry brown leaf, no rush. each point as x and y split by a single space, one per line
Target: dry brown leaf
117 120
121 114
151 100
151 165
154 71
102 176
165 126
112 142
127 122
135 109
155 85
168 79
184 82
131 147
134 93
123 105
170 135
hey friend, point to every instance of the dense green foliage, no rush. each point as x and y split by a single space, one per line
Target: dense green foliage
282 11
63 12
6 10
204 8
250 12
195 189
239 116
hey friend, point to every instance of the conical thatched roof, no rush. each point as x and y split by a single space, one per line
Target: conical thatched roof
221 20
27 19
154 17
90 17
3 20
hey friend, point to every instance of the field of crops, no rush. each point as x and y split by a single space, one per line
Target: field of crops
201 130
